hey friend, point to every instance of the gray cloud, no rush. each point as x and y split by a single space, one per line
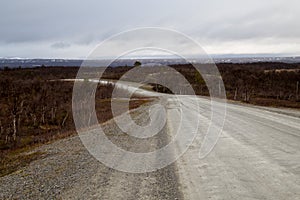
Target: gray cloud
29 23
60 45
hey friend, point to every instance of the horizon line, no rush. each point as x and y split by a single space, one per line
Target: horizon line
213 56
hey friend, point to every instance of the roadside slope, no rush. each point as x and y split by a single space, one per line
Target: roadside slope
69 172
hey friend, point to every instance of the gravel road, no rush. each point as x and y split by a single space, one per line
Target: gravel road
257 157
68 171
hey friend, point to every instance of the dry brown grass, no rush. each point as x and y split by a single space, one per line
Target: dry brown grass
276 103
14 161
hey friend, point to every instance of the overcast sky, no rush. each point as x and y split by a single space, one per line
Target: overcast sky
72 28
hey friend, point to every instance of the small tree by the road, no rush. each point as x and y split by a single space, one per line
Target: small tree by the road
137 63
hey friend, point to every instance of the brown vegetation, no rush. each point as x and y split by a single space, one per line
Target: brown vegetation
35 109
251 84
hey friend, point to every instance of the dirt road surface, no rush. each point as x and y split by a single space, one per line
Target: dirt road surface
257 156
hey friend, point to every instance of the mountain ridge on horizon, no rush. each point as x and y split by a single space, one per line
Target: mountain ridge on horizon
37 62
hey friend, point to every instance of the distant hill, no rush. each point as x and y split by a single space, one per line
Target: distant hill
27 63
